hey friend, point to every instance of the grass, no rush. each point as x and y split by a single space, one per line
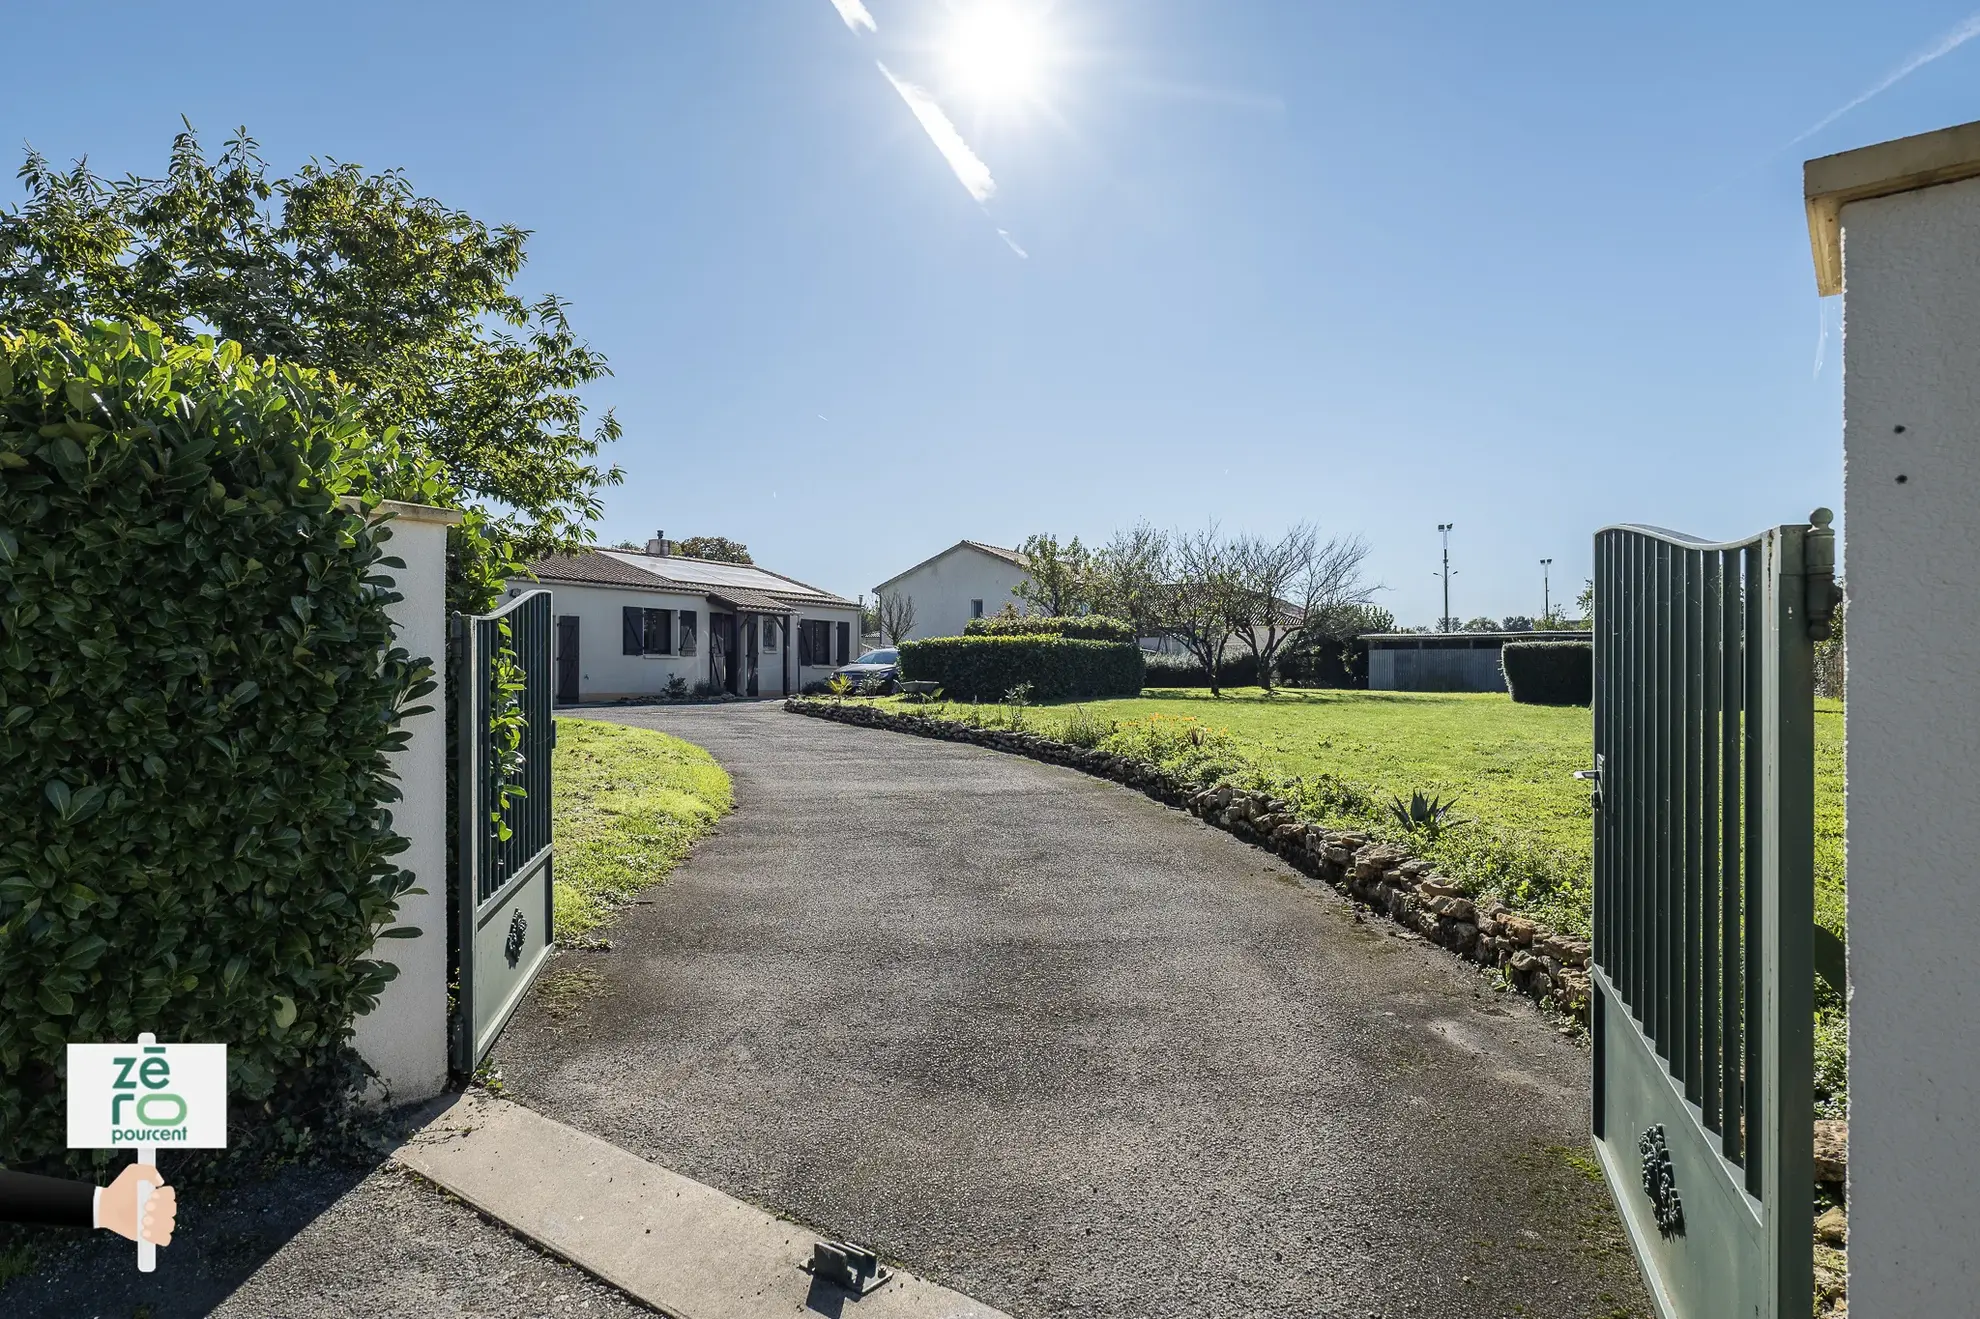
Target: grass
1531 840
629 804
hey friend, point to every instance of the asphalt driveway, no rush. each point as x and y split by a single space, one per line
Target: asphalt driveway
1068 1051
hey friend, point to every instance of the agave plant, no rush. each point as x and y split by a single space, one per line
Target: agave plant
1427 815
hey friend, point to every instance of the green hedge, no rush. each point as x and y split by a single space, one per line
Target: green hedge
1236 670
198 687
1550 672
1058 668
1084 627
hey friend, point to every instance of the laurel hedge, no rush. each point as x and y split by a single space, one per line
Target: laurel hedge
1082 627
198 692
1238 669
1057 668
1549 672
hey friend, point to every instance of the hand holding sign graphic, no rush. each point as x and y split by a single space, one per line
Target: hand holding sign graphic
117 1206
141 1096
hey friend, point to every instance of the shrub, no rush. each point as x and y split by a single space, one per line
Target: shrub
1057 668
198 693
1238 670
1083 627
1550 672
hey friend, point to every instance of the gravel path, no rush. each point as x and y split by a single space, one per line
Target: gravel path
1056 1046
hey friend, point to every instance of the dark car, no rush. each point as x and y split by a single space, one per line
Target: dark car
875 671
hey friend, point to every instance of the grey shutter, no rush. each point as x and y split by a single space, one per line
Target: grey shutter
631 631
845 643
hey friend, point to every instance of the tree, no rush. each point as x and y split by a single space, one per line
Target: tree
1516 623
896 617
1279 584
1203 583
1327 651
408 302
1482 625
1128 577
1058 582
718 548
1585 602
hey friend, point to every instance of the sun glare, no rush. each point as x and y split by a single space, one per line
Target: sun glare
998 51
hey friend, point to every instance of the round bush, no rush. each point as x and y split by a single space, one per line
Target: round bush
1550 672
198 692
1081 627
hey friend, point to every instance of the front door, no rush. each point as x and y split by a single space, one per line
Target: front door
567 659
1704 909
721 652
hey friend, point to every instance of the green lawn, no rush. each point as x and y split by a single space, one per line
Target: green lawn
1510 766
629 803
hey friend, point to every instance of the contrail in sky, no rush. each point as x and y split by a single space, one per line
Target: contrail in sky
855 15
1944 46
974 174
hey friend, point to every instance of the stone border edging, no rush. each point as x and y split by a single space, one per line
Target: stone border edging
1545 966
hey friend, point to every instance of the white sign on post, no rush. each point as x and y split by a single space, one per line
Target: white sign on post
140 1096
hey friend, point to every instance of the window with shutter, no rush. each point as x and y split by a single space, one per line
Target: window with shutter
815 642
632 640
659 632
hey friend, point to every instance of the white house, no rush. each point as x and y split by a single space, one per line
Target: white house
629 623
967 580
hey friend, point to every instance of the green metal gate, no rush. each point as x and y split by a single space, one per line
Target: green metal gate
502 892
1704 908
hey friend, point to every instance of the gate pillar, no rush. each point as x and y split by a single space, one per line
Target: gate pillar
405 1037
1896 230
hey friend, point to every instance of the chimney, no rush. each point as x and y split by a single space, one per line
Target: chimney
658 545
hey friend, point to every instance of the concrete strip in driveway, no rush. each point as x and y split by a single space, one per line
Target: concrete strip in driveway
681 1247
1066 1050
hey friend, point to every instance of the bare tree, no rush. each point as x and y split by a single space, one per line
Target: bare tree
1202 581
1130 577
896 617
1279 584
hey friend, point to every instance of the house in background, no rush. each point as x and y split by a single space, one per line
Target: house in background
630 622
967 580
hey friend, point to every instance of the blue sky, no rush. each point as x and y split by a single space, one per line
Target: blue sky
1526 268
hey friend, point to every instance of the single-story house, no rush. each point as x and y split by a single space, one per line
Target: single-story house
629 622
1444 661
968 580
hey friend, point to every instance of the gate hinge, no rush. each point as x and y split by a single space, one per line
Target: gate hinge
1819 564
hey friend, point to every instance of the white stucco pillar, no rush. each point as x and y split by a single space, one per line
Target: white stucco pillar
405 1037
1896 228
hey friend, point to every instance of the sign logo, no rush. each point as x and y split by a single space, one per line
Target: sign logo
147 1094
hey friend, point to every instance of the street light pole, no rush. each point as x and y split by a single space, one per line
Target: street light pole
1445 529
1546 598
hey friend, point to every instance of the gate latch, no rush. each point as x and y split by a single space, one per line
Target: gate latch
1593 776
854 1268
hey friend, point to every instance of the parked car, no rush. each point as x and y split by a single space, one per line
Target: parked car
876 670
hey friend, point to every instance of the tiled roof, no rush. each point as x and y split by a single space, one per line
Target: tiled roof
599 570
755 601
1009 556
683 576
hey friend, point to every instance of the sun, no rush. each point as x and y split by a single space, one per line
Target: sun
999 51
